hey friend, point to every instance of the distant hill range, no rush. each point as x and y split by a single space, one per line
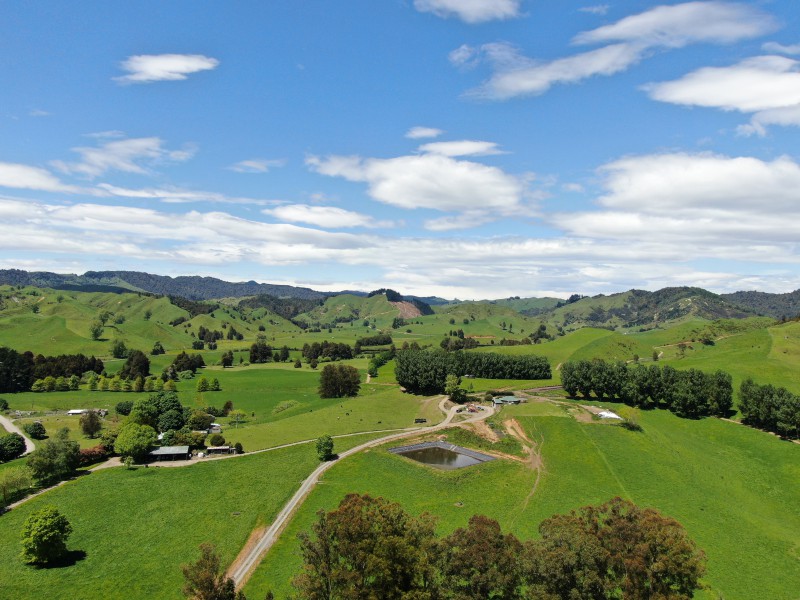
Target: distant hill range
640 308
627 309
191 287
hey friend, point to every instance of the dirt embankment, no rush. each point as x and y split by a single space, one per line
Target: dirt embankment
407 310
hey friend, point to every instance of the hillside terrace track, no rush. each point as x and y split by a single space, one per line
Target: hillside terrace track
241 573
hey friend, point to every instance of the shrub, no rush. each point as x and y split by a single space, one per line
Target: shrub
124 408
216 439
3 404
90 456
238 447
35 430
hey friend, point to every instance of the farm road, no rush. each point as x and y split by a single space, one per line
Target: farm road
11 428
244 565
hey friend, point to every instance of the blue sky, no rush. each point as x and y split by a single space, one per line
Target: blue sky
463 148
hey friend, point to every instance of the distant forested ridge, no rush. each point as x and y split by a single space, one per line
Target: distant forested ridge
777 306
191 287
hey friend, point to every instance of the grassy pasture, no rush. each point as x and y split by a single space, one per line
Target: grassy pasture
137 527
281 405
736 490
494 486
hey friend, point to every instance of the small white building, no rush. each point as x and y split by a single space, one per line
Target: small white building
76 411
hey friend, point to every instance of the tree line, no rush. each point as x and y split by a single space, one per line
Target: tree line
379 339
371 548
425 371
772 408
19 371
690 394
327 350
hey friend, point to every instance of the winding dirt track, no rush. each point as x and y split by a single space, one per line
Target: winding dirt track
244 565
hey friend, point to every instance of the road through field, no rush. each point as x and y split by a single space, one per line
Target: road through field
11 428
244 566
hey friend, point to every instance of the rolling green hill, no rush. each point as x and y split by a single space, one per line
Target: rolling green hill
641 309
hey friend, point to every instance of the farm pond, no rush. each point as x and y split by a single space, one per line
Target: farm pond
442 455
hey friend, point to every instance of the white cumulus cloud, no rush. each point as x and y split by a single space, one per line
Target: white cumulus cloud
768 86
431 181
147 68
14 175
471 11
419 132
712 205
327 217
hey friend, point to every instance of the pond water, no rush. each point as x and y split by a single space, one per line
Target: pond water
441 458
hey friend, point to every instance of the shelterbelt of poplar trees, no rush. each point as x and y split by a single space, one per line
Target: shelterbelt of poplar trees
690 394
425 371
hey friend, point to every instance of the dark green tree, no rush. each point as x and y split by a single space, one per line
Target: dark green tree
614 550
90 423
136 365
96 330
339 381
479 562
205 580
54 460
171 419
11 446
124 408
367 548
35 430
119 349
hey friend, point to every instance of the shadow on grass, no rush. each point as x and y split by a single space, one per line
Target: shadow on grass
70 559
